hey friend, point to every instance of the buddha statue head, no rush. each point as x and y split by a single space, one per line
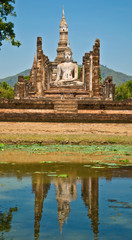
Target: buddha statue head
68 55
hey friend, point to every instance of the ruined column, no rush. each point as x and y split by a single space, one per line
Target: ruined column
91 76
96 67
39 66
108 89
20 88
86 61
47 72
33 73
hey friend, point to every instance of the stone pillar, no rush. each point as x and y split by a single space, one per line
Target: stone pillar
87 70
91 76
47 71
21 87
16 91
43 78
33 74
108 89
39 66
83 73
96 67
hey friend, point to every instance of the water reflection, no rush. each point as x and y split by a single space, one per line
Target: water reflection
66 191
5 221
40 187
81 189
90 196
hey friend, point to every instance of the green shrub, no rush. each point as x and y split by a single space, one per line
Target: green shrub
124 91
79 72
27 78
6 91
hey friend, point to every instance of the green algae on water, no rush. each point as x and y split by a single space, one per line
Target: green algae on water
85 149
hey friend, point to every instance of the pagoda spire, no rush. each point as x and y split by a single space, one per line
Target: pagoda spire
63 20
63 12
63 41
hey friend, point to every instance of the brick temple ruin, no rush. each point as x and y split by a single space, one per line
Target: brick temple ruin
43 75
56 92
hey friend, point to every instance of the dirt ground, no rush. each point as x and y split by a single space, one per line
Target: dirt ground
65 128
23 133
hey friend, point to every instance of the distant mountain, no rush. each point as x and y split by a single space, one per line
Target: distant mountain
13 79
118 77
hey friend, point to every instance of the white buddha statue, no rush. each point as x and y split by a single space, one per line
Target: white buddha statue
67 72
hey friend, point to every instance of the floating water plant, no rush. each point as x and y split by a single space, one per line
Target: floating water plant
3 162
1 146
98 167
106 149
47 162
63 176
37 172
87 166
124 161
52 175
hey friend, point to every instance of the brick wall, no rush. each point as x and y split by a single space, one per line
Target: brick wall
43 116
49 104
43 111
25 104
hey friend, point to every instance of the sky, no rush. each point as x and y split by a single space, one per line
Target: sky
108 20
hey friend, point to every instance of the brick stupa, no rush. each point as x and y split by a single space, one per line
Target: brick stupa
43 75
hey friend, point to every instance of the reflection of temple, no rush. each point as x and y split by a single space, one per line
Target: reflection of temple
90 198
66 191
40 186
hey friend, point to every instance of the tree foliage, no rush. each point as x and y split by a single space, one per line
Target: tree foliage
100 76
6 91
79 72
124 90
27 78
6 27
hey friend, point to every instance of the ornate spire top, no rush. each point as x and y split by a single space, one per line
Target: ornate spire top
63 12
63 20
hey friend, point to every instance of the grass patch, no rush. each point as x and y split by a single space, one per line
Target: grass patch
65 139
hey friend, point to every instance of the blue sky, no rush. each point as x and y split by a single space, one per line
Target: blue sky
108 20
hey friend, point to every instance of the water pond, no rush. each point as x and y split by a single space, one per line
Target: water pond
65 200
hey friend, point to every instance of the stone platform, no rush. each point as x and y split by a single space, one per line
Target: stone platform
83 111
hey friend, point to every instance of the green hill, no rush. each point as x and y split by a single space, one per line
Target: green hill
118 77
13 79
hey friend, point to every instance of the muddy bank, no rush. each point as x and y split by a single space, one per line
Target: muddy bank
65 133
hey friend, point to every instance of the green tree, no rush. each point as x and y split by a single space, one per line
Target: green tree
124 91
6 91
100 76
7 27
27 78
79 71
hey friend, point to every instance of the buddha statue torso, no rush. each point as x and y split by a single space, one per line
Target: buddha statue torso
67 72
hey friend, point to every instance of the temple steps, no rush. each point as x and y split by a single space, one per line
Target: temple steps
66 106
